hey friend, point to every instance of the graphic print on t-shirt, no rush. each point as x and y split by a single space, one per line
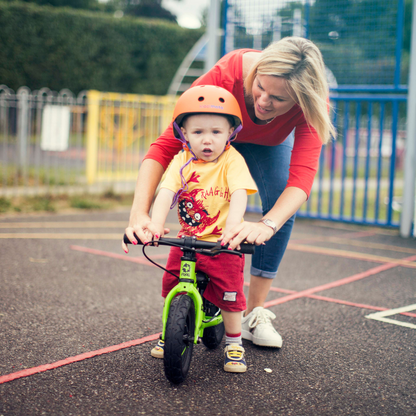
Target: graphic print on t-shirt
193 215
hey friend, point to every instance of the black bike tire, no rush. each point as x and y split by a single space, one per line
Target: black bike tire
178 353
213 336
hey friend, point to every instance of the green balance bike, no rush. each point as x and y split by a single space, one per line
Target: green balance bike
187 316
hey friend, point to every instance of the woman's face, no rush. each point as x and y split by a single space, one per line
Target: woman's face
271 97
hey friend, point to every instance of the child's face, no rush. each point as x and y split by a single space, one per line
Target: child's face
207 134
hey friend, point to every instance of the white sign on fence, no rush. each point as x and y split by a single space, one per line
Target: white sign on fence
55 127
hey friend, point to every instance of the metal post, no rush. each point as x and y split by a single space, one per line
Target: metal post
399 42
92 136
23 126
213 26
224 28
4 111
229 29
307 10
277 28
257 39
297 22
410 155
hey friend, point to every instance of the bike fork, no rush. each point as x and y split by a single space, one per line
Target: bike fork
186 285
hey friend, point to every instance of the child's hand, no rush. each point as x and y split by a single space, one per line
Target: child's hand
227 229
147 229
155 230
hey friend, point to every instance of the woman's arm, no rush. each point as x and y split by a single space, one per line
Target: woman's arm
256 232
288 203
150 174
160 212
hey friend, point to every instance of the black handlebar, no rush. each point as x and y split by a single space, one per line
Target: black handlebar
192 242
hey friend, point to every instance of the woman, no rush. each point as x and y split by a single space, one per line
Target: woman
280 89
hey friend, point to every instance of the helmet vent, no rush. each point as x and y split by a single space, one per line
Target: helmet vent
222 100
201 99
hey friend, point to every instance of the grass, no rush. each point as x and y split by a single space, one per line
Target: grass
5 205
10 176
109 201
374 212
353 211
59 203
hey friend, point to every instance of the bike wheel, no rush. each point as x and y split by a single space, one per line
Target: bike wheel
213 336
179 338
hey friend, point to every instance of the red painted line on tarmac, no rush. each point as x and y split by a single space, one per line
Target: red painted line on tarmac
358 305
341 302
70 360
337 283
140 260
358 234
333 300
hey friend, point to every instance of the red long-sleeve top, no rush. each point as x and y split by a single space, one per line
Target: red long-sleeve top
228 73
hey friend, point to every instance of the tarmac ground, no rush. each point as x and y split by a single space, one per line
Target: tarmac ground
78 318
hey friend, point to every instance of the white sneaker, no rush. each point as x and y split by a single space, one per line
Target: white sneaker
257 327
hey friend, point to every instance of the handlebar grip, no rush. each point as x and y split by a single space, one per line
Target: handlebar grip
127 241
247 248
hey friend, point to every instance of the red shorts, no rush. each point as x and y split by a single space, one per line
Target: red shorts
226 273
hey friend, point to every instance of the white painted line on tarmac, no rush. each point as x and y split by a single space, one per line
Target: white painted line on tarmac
73 224
381 316
62 236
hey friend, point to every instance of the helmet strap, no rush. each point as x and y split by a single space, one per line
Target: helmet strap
185 144
233 135
184 184
187 147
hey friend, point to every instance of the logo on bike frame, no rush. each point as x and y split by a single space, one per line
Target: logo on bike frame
186 270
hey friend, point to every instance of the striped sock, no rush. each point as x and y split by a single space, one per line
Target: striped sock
233 339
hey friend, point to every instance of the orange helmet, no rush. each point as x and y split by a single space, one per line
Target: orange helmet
207 99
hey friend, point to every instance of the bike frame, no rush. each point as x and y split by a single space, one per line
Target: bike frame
188 285
188 279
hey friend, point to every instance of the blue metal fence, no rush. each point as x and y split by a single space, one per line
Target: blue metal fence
361 173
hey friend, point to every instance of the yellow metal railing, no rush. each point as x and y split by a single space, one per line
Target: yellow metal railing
120 129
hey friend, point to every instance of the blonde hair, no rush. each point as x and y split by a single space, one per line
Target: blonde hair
300 63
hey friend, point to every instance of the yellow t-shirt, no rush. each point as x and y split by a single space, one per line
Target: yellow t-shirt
203 208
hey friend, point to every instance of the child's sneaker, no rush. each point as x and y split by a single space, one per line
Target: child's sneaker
234 361
158 351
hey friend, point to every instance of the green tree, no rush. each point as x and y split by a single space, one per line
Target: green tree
148 8
76 4
140 8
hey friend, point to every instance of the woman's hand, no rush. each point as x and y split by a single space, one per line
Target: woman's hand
144 229
252 232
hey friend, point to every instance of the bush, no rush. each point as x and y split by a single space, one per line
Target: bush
5 204
76 49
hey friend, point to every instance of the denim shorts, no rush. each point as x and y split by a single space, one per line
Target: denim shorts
269 167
